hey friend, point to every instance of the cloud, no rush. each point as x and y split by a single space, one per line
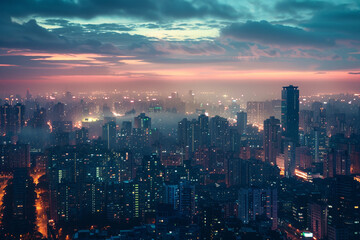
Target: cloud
354 73
294 6
337 20
144 9
264 32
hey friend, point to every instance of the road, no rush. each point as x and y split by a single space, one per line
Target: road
3 183
40 203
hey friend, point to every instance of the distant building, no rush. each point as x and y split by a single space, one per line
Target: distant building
255 201
272 139
256 112
241 122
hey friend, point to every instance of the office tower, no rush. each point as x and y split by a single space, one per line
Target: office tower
142 122
306 121
125 134
39 120
300 210
58 112
234 108
109 135
81 136
238 172
241 122
318 219
290 113
62 126
61 132
14 156
19 211
318 143
272 139
19 121
343 206
219 132
183 133
172 196
336 162
289 158
194 135
126 128
11 118
234 139
142 133
256 201
204 130
303 157
255 112
338 124
355 155
187 199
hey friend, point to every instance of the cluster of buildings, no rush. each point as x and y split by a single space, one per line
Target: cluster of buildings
155 168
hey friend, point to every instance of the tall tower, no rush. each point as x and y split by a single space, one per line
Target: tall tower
109 134
272 139
290 126
241 122
290 113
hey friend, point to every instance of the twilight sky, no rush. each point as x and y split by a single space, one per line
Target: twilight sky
97 41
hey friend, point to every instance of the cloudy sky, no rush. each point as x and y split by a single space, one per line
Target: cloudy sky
92 41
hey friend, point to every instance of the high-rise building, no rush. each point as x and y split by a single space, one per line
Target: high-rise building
11 118
13 156
109 134
241 122
272 139
255 112
336 162
289 158
255 201
218 131
171 196
183 133
81 136
318 219
142 122
204 130
290 113
142 133
187 199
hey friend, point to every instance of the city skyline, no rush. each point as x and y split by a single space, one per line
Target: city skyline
179 119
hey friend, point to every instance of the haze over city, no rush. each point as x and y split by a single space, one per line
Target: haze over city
179 119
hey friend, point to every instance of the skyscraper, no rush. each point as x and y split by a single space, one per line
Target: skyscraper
272 139
142 122
290 113
241 122
255 112
109 134
204 130
11 118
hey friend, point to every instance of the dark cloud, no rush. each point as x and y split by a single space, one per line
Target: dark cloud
146 9
354 73
294 6
339 19
70 38
108 27
28 35
266 33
